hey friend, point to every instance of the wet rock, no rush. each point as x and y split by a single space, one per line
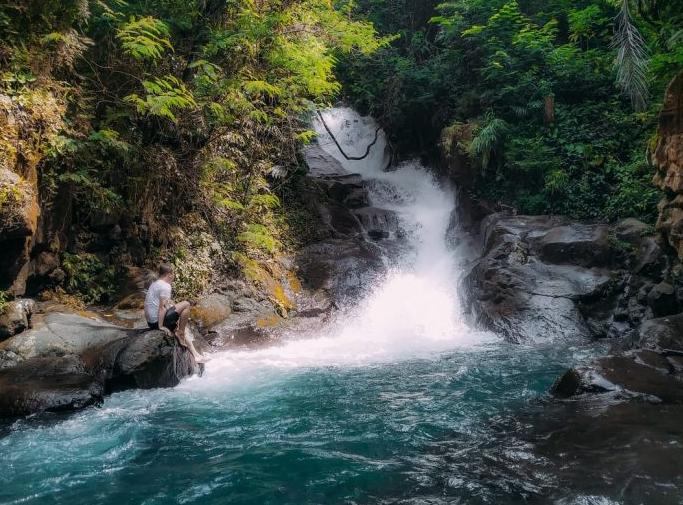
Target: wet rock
378 223
567 385
69 361
522 287
626 377
650 259
320 163
144 360
652 372
245 333
665 333
347 190
631 230
48 384
575 244
16 317
341 268
662 299
340 220
246 304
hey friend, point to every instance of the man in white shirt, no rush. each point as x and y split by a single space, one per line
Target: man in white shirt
162 314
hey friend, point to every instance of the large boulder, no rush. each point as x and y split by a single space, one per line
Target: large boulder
541 277
68 361
341 268
16 317
48 384
144 360
579 244
662 334
536 277
212 310
58 334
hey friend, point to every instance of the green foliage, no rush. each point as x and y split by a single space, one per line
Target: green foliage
144 38
88 278
165 97
9 195
554 128
257 236
488 140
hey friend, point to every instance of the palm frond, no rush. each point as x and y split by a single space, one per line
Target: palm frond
632 58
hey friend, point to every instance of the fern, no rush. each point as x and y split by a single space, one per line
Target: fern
144 38
257 237
556 181
262 88
488 140
306 136
165 96
266 200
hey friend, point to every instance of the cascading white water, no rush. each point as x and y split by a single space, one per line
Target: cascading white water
413 311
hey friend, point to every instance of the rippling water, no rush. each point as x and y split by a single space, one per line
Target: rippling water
380 433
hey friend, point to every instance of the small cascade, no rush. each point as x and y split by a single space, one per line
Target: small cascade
414 309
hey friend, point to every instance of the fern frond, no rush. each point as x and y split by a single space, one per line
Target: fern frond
144 38
487 140
165 96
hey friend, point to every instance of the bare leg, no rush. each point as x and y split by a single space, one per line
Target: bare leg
184 312
182 308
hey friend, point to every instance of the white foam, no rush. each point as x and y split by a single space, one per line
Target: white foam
413 311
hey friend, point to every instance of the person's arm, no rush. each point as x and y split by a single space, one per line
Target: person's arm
163 302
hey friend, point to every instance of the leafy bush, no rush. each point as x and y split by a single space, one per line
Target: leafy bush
88 278
558 127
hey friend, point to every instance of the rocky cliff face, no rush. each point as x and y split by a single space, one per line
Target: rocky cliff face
26 129
548 277
667 156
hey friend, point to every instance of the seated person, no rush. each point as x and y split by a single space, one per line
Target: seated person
162 314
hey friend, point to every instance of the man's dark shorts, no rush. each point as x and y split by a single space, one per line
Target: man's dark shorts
170 320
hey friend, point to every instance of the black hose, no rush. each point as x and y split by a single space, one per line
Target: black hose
334 139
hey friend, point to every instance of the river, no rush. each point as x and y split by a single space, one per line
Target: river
397 400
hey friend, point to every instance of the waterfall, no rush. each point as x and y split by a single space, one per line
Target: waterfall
413 311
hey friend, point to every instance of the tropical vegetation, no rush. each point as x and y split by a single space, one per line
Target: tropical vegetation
553 101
